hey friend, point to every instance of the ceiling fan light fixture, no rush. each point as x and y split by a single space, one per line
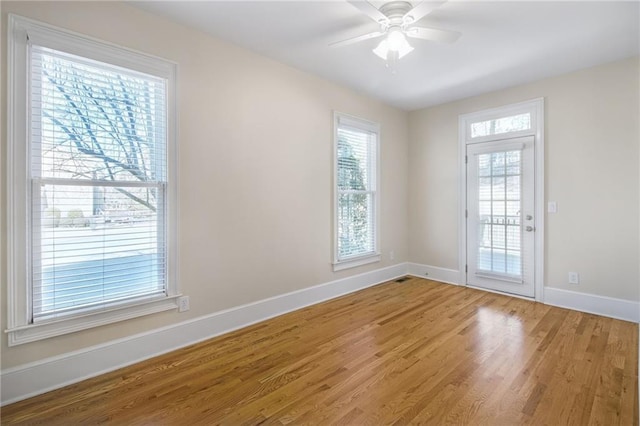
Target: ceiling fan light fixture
399 46
382 49
396 40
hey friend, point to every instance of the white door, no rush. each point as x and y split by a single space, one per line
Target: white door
500 215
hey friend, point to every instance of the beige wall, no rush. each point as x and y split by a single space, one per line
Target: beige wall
255 172
591 161
255 160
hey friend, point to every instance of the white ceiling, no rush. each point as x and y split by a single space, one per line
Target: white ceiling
503 43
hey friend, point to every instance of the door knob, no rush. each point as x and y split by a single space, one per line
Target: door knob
529 228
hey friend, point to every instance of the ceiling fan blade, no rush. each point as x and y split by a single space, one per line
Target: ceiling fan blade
421 10
370 10
432 34
357 39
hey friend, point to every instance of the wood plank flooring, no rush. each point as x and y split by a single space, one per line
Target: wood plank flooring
417 352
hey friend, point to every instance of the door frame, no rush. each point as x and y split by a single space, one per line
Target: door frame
536 108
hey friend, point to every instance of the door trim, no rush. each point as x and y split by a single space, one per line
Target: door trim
536 108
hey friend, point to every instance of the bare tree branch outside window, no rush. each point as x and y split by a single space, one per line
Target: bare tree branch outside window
102 124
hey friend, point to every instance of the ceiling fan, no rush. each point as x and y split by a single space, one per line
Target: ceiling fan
396 20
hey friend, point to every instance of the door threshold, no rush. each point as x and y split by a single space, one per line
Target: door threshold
504 293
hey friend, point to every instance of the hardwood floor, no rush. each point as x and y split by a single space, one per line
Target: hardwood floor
398 353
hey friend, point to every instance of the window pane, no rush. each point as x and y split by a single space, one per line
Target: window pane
95 121
502 125
354 159
95 245
355 225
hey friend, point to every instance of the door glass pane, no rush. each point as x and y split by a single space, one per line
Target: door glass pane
513 188
499 204
513 163
484 166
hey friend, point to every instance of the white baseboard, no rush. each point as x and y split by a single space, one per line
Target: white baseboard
42 376
449 276
600 305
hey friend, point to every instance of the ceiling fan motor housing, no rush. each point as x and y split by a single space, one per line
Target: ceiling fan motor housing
395 11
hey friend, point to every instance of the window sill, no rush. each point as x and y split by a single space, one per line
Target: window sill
359 261
33 332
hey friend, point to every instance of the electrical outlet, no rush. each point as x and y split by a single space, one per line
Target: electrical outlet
392 255
183 304
574 278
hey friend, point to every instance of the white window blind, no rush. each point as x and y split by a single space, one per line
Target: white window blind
356 187
98 171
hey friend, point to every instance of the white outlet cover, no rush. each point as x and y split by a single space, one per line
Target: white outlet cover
183 304
574 278
552 207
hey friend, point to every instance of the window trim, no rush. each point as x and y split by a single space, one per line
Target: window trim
370 126
20 329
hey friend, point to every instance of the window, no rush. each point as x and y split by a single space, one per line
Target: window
501 125
356 194
93 209
513 121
